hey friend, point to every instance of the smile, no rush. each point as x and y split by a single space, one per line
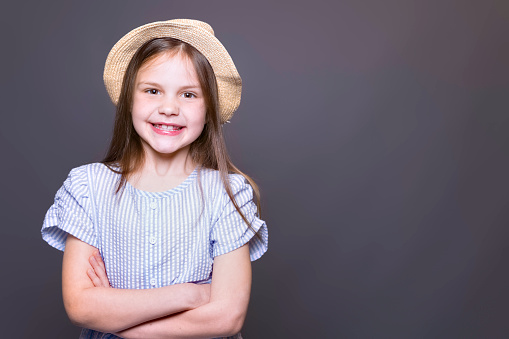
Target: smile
167 127
168 130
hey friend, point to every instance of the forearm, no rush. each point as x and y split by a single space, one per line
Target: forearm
112 310
106 309
215 319
225 313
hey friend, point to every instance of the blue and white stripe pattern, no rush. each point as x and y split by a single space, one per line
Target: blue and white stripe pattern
148 239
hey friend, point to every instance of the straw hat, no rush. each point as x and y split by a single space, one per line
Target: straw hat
196 33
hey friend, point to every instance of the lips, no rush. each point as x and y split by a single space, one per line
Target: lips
164 129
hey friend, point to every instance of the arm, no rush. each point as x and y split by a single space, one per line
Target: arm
111 310
225 313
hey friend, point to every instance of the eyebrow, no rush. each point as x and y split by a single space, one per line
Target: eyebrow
155 84
143 83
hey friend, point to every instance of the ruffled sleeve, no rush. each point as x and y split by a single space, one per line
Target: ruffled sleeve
71 212
229 231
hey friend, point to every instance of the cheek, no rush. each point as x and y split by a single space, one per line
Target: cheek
199 116
137 104
200 124
135 117
136 125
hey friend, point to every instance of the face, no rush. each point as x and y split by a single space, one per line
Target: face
168 105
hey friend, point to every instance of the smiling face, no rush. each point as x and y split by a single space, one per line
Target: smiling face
168 108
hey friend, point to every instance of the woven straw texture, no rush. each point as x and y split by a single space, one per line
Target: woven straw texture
196 33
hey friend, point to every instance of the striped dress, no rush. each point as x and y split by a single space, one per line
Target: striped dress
154 239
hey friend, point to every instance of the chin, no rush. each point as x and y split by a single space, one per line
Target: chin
165 151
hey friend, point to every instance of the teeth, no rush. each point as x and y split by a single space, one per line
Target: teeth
168 128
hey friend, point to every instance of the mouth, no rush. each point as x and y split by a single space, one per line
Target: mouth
168 128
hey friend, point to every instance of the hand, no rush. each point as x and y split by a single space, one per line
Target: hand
98 271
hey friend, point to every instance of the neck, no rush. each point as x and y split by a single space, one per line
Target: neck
161 172
175 163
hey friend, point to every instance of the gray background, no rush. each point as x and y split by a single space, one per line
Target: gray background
377 130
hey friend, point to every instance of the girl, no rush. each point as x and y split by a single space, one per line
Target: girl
158 238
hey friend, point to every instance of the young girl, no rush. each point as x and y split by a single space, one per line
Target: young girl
158 238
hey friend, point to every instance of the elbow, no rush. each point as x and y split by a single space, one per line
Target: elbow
81 313
85 318
232 322
75 306
236 325
237 321
77 314
76 319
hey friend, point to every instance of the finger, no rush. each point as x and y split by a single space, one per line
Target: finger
95 279
99 271
92 274
99 260
102 275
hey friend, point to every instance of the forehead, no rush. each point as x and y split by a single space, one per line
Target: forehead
173 62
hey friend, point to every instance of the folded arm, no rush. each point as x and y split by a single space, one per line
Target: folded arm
112 310
225 313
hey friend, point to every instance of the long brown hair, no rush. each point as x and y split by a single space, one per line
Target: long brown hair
125 154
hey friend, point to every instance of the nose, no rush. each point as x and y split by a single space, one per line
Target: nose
169 106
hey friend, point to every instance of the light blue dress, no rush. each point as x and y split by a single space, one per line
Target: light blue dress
151 240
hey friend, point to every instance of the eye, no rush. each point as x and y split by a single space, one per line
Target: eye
152 91
189 95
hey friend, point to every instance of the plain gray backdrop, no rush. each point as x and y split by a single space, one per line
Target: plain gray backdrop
377 130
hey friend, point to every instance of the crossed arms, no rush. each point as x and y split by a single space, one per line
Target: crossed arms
177 311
